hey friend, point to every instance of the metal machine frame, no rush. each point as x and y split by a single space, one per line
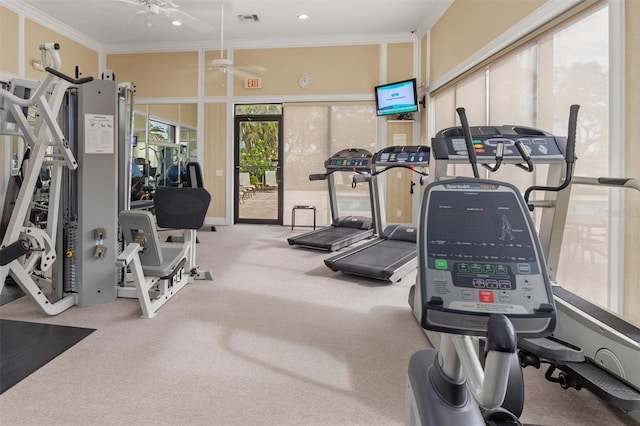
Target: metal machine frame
22 239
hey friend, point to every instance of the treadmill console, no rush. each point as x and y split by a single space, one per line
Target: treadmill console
543 147
352 159
479 254
417 155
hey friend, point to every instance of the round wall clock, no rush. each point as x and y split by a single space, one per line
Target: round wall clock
305 82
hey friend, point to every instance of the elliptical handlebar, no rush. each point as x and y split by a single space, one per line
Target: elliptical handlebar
466 131
570 155
570 158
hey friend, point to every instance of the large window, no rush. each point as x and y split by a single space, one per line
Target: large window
312 133
535 85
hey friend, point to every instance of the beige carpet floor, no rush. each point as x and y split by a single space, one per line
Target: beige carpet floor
275 339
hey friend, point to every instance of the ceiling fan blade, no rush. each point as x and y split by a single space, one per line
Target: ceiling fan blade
243 74
192 22
221 62
133 2
254 69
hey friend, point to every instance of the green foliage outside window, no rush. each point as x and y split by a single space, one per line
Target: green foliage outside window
259 148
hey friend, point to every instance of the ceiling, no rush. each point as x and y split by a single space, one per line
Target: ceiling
115 23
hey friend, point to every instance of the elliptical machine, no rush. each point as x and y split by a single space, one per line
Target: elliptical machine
481 272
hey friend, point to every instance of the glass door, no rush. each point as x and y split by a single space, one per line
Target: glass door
258 172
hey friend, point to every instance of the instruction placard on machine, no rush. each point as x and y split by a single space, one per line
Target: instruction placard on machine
99 134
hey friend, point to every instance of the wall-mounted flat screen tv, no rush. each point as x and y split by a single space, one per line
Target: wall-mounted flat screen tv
396 98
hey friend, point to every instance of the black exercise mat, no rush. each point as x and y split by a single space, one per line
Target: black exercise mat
10 292
27 346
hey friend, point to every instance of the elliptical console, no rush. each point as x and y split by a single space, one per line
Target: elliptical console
479 255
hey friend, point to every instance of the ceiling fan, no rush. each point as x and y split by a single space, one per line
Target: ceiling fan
169 9
223 65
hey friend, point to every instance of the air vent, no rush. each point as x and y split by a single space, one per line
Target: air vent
248 18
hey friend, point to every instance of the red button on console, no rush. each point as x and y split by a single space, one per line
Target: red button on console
486 296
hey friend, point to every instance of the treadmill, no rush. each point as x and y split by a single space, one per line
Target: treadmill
344 230
392 255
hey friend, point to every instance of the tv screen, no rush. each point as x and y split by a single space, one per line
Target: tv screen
396 98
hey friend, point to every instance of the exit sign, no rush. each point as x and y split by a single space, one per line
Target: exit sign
253 83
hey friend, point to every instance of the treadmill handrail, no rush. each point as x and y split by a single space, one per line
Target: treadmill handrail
368 177
324 176
618 182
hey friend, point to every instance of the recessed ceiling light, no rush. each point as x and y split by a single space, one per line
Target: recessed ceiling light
176 23
302 17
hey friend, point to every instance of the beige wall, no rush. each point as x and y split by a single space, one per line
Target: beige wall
398 196
215 82
424 42
189 115
215 157
182 114
400 62
157 75
468 25
8 41
333 70
169 112
72 54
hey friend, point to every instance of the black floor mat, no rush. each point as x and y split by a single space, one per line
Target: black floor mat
27 346
10 292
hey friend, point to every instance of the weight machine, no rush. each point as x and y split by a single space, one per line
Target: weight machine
22 238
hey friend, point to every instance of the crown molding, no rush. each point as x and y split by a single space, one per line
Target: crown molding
344 40
53 24
438 9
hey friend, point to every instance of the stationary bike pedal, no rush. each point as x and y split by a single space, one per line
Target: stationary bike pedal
553 349
603 384
499 417
502 417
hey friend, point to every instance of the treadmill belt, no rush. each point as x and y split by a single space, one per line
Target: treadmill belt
332 238
27 346
380 260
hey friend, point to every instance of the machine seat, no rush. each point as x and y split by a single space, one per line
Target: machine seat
138 226
175 258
